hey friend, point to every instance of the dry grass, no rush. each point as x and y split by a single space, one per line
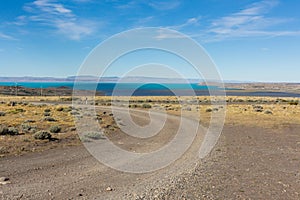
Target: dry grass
239 111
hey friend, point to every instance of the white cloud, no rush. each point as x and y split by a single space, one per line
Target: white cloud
142 21
259 7
6 37
249 22
52 7
162 34
194 21
83 1
164 5
53 14
157 5
74 30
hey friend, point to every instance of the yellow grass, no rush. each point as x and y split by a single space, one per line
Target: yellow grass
243 113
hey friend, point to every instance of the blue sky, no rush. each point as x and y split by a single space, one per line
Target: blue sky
248 40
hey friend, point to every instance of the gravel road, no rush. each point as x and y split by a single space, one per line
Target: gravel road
247 163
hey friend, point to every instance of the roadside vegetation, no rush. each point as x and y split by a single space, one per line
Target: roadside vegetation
28 127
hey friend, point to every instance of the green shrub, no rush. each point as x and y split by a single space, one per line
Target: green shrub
4 130
20 110
55 129
93 135
42 135
215 109
72 129
47 114
146 105
59 109
49 119
258 108
134 106
268 112
74 113
17 110
208 110
26 127
295 103
13 131
29 121
67 109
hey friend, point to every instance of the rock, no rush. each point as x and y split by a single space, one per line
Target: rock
4 180
109 189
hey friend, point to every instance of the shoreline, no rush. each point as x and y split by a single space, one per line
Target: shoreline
68 91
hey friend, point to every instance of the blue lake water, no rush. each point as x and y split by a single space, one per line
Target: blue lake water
150 89
121 88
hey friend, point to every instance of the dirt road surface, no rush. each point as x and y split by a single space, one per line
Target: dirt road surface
247 163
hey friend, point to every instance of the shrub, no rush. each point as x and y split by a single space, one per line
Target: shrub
72 129
55 129
215 109
67 109
26 127
258 108
59 109
208 110
239 100
293 103
3 129
268 112
13 131
42 135
46 114
17 110
68 99
12 103
24 103
2 113
134 106
49 119
93 135
29 121
146 105
74 113
47 110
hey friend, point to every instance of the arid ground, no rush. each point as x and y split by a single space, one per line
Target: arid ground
256 157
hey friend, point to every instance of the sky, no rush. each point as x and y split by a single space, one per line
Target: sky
248 40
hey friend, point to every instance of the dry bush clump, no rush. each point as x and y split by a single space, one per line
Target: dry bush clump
42 135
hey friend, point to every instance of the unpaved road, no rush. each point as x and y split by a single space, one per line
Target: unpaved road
247 163
72 173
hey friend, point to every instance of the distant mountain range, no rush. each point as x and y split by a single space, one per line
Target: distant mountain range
132 79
